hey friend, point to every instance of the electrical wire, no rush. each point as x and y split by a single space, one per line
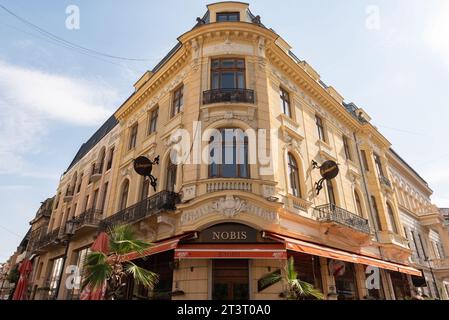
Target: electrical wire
67 47
11 232
66 42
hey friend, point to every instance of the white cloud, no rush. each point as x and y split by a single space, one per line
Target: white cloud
55 96
437 33
30 100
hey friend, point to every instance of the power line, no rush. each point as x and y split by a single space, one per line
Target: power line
67 47
63 41
11 232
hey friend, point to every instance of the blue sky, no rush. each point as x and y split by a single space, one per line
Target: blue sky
52 98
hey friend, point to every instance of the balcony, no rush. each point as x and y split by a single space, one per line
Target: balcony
330 213
228 95
88 220
385 182
48 239
440 264
217 185
69 194
163 201
96 174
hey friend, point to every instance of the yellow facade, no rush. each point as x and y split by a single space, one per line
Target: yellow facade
264 200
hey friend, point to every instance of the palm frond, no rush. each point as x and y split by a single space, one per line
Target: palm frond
297 288
142 276
96 270
123 240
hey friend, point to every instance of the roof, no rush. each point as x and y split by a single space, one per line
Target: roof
408 166
92 142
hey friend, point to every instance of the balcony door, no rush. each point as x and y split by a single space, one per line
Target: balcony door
228 74
230 280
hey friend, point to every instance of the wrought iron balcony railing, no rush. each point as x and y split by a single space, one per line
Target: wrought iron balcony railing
162 201
48 238
228 95
385 181
332 213
89 218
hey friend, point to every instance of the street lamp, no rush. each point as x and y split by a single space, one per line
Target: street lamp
69 232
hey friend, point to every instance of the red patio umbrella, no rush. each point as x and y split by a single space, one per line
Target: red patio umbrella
21 292
101 244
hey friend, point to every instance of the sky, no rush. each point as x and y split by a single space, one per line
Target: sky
389 57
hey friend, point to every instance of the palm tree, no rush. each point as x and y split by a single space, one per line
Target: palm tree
110 267
296 288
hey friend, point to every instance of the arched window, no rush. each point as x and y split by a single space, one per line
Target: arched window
376 213
124 195
331 193
230 158
145 188
358 204
293 176
171 176
393 225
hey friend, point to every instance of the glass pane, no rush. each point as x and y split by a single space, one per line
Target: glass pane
240 80
240 291
215 80
241 64
233 17
221 291
227 80
215 63
228 63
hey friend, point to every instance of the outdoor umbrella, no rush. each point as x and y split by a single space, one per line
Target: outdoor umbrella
101 244
21 292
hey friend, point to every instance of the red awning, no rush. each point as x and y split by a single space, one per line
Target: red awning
167 245
326 252
274 251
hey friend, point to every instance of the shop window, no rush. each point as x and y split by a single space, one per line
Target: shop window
345 280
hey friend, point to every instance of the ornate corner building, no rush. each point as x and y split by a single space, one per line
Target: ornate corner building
220 229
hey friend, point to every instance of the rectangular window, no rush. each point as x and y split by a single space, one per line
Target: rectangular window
105 193
422 246
57 200
133 137
365 160
320 128
111 158
415 243
55 277
228 74
378 162
152 125
94 200
347 148
178 101
285 102
86 202
80 183
228 16
78 281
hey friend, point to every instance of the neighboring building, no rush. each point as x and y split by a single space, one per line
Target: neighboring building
445 214
82 200
220 229
424 228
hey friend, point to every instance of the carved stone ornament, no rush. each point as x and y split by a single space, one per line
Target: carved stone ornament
230 206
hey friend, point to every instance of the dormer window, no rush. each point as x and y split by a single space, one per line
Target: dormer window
228 17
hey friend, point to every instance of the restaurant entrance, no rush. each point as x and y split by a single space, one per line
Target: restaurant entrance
230 279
